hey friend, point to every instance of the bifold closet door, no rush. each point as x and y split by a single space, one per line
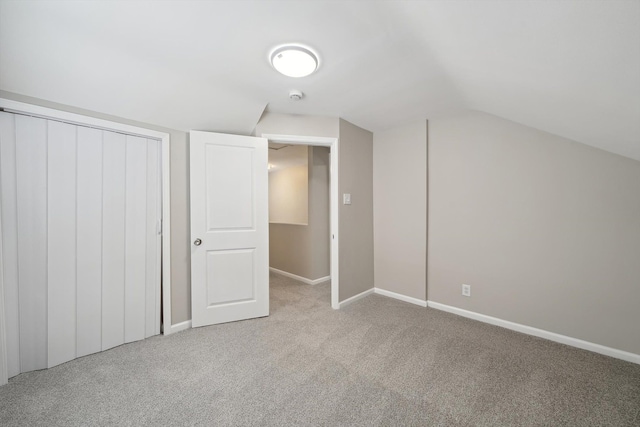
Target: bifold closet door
81 244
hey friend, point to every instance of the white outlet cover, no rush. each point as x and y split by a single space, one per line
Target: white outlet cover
466 290
346 199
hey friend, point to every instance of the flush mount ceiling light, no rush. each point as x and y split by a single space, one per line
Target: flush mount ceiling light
294 60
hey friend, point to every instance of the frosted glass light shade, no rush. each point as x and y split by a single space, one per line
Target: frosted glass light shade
294 61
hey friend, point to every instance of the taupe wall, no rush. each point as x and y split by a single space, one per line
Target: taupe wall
180 256
356 220
400 209
304 249
545 230
291 124
289 194
320 211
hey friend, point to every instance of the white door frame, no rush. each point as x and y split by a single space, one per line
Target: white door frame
11 106
334 198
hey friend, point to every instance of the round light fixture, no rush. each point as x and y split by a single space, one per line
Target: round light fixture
294 61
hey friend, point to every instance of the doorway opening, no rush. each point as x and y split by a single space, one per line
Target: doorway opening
303 209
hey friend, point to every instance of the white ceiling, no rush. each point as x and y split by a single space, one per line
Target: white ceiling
568 67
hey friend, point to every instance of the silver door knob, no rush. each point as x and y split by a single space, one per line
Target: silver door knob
197 242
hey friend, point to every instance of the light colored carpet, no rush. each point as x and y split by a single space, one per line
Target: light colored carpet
376 362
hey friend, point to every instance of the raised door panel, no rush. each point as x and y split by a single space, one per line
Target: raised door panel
230 277
229 207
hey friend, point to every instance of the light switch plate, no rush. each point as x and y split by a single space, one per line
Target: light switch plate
346 199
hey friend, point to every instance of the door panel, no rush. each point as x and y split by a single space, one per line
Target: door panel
135 239
230 266
113 238
31 187
8 176
153 240
89 267
229 206
61 253
229 269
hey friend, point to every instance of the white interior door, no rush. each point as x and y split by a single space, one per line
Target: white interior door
229 228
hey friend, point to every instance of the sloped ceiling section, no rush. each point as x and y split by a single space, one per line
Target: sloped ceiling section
568 67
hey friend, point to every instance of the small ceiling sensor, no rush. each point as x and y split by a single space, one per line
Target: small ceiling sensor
296 95
294 60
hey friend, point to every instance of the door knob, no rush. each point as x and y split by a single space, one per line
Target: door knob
197 242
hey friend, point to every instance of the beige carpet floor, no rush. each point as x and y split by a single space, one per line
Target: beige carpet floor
378 361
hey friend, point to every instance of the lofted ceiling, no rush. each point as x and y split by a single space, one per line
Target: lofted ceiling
568 67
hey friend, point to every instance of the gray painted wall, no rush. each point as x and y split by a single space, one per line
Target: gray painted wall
289 194
180 255
400 209
320 211
544 229
291 124
304 249
356 220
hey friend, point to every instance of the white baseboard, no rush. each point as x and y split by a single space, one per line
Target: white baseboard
354 298
300 278
552 336
178 327
412 300
385 293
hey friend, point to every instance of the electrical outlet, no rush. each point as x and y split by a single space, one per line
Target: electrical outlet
466 290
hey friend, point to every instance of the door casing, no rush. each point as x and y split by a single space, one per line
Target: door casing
334 197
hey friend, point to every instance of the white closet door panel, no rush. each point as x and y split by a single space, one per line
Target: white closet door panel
61 242
31 168
158 249
152 323
82 249
113 238
89 242
135 239
10 240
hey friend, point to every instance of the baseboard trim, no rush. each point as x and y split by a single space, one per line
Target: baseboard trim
552 336
385 293
412 300
179 327
355 298
300 278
